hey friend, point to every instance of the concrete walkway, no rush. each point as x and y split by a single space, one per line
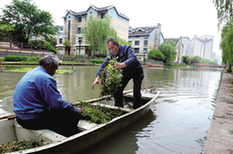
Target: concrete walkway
220 135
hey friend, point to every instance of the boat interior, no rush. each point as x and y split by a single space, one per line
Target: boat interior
12 131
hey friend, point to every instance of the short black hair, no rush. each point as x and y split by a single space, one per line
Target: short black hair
114 41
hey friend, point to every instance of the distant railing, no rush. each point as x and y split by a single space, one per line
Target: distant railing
208 65
21 53
11 44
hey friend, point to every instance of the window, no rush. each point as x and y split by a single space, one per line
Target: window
137 43
102 15
69 30
79 30
80 40
60 41
130 42
145 50
136 50
145 43
79 19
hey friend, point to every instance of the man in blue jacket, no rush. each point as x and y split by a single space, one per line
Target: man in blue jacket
38 104
132 69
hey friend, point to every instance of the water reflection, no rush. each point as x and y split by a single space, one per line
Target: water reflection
178 121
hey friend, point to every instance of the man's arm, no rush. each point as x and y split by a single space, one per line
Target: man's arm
96 82
54 99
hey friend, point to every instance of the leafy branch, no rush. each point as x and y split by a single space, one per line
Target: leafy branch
110 79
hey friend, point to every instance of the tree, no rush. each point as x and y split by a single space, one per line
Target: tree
168 49
50 47
6 29
27 20
97 33
122 41
225 16
224 11
205 61
227 43
155 55
215 62
186 60
196 59
67 45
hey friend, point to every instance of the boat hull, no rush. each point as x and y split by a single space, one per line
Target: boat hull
91 136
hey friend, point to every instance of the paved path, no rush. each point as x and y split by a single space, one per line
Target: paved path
220 135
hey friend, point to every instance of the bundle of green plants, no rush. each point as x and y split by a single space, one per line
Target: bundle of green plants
98 114
19 145
110 79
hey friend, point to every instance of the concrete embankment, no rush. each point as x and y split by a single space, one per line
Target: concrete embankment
220 135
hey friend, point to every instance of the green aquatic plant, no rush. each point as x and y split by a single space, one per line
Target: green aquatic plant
98 114
19 145
24 70
110 79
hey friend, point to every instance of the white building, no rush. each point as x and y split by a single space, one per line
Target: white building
203 46
187 47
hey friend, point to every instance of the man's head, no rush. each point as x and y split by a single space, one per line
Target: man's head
113 46
50 63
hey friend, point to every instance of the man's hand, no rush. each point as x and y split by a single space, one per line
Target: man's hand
96 82
80 110
119 65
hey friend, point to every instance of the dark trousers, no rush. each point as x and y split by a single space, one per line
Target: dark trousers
137 77
64 123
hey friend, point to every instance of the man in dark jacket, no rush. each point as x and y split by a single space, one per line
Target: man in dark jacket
132 69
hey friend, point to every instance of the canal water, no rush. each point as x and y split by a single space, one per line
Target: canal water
178 121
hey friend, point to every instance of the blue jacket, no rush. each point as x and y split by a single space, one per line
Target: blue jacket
126 55
36 93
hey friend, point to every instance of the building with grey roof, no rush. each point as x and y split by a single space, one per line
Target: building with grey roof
74 22
144 39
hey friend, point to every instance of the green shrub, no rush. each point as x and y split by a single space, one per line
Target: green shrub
186 60
156 55
17 58
96 61
1 59
21 58
79 56
51 48
24 58
143 63
32 59
8 58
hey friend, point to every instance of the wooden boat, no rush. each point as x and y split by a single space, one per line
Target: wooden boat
90 133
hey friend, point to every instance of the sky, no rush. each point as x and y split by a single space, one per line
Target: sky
184 18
